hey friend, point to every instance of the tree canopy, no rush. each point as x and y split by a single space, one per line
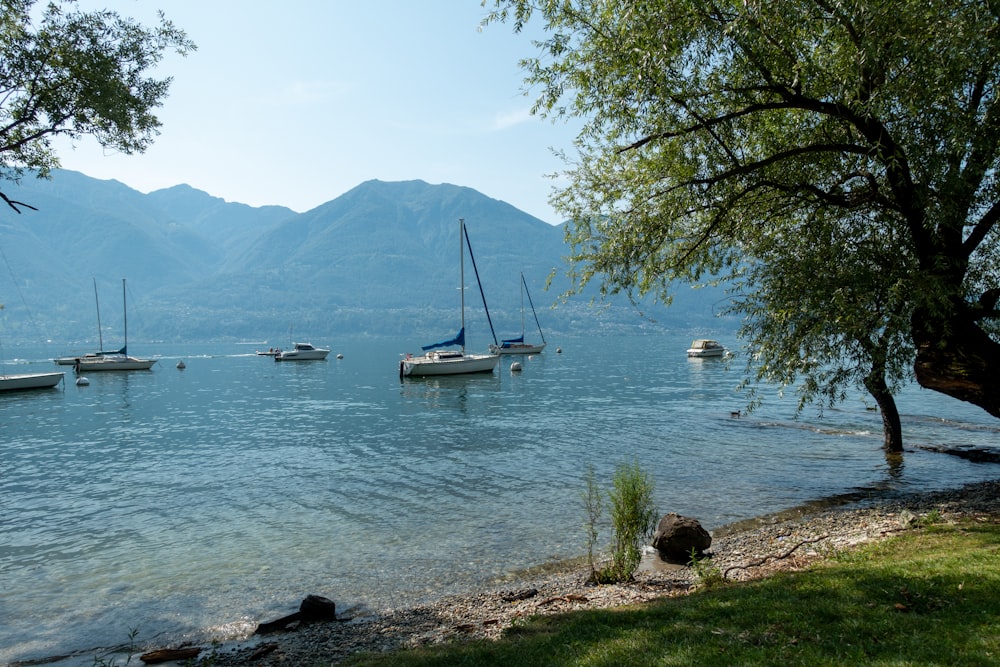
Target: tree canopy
66 72
835 159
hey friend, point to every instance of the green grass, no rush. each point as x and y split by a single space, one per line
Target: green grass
927 597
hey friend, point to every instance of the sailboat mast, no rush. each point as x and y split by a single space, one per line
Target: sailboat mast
100 334
125 316
461 270
522 307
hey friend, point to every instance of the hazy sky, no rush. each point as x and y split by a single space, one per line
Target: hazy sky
295 103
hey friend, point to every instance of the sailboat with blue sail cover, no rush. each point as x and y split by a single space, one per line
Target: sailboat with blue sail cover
517 345
438 361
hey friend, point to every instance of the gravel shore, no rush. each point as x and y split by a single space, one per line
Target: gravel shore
746 551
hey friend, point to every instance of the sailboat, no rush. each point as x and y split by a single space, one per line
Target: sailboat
72 359
19 381
517 345
435 361
114 361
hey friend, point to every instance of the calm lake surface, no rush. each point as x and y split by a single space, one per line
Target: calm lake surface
195 503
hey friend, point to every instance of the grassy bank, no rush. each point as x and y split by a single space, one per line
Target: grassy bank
930 596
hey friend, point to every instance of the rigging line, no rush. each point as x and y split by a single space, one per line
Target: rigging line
13 279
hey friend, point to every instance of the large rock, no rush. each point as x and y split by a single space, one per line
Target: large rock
677 536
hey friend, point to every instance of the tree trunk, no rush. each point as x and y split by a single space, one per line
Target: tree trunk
957 358
892 429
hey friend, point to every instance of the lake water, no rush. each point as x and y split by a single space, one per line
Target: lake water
194 503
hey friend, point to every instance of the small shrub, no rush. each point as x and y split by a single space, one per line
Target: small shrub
707 573
633 519
593 507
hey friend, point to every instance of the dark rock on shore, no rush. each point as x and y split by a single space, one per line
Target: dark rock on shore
678 537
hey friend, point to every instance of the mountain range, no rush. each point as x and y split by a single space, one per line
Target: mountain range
381 259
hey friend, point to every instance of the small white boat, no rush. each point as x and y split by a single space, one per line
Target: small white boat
301 352
453 362
704 347
19 381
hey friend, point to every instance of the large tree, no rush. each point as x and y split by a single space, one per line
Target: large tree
66 72
714 128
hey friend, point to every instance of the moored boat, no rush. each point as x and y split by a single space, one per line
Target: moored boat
705 347
301 352
114 361
517 345
21 381
454 362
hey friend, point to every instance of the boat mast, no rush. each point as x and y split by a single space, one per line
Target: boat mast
461 271
532 304
100 334
522 307
125 316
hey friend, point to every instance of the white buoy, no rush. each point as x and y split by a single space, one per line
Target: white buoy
181 365
516 366
340 356
558 350
82 382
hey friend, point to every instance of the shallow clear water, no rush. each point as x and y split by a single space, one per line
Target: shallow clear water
195 503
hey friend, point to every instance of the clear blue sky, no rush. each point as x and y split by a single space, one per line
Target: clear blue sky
294 103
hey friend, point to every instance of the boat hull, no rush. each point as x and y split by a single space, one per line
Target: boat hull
521 348
706 353
20 381
437 364
313 355
108 364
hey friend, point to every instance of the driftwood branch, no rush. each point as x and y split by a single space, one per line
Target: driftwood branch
765 559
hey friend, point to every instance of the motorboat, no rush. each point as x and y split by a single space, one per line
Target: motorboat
20 381
435 361
301 352
517 345
704 347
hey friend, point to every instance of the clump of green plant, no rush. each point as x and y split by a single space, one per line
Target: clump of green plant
633 519
106 661
593 506
707 572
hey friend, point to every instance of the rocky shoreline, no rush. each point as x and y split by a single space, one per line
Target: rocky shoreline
750 550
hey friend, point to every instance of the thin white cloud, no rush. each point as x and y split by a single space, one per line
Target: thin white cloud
508 120
309 92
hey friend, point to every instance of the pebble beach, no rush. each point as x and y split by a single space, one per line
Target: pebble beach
750 550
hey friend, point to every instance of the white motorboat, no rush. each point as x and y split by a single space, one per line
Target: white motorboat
453 362
704 347
19 381
301 352
517 345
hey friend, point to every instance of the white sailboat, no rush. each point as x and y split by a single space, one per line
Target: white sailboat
71 360
19 381
435 361
517 345
114 361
